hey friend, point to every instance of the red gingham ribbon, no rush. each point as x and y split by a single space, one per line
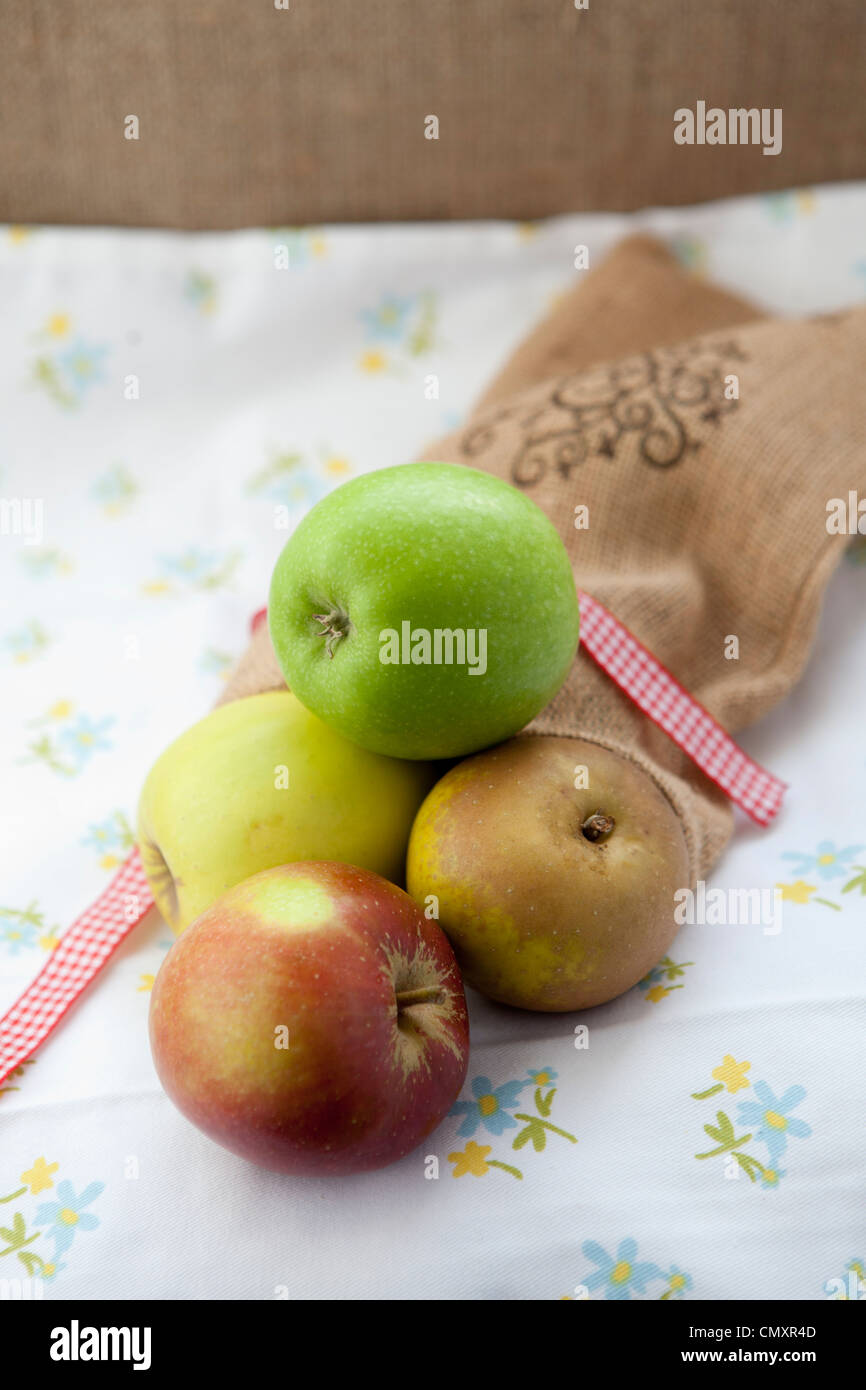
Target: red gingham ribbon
86 946
669 704
83 950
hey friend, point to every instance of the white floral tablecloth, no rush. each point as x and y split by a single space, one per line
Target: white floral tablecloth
161 397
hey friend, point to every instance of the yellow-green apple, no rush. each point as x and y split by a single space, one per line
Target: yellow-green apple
555 896
425 611
312 1021
260 782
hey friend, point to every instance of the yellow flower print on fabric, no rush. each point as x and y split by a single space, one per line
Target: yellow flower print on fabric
299 477
22 928
29 1233
473 1159
731 1073
658 984
201 290
27 642
470 1160
658 992
405 325
192 570
298 246
112 839
70 748
66 371
839 867
39 1177
115 490
765 1120
373 361
798 892
46 562
495 1109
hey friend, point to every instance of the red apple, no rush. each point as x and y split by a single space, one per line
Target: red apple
312 1020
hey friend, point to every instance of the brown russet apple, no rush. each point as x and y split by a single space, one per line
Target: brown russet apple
555 896
312 1020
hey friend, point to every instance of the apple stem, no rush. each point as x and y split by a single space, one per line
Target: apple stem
430 994
597 826
334 626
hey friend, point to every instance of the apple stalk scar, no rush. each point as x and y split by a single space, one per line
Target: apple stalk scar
597 827
432 994
334 625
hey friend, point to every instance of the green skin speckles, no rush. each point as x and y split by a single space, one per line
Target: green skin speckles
442 548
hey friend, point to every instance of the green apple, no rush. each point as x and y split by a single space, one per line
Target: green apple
424 611
261 782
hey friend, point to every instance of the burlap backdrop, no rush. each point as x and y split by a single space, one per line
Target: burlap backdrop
705 457
252 116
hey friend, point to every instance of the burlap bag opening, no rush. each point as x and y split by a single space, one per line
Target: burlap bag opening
704 442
